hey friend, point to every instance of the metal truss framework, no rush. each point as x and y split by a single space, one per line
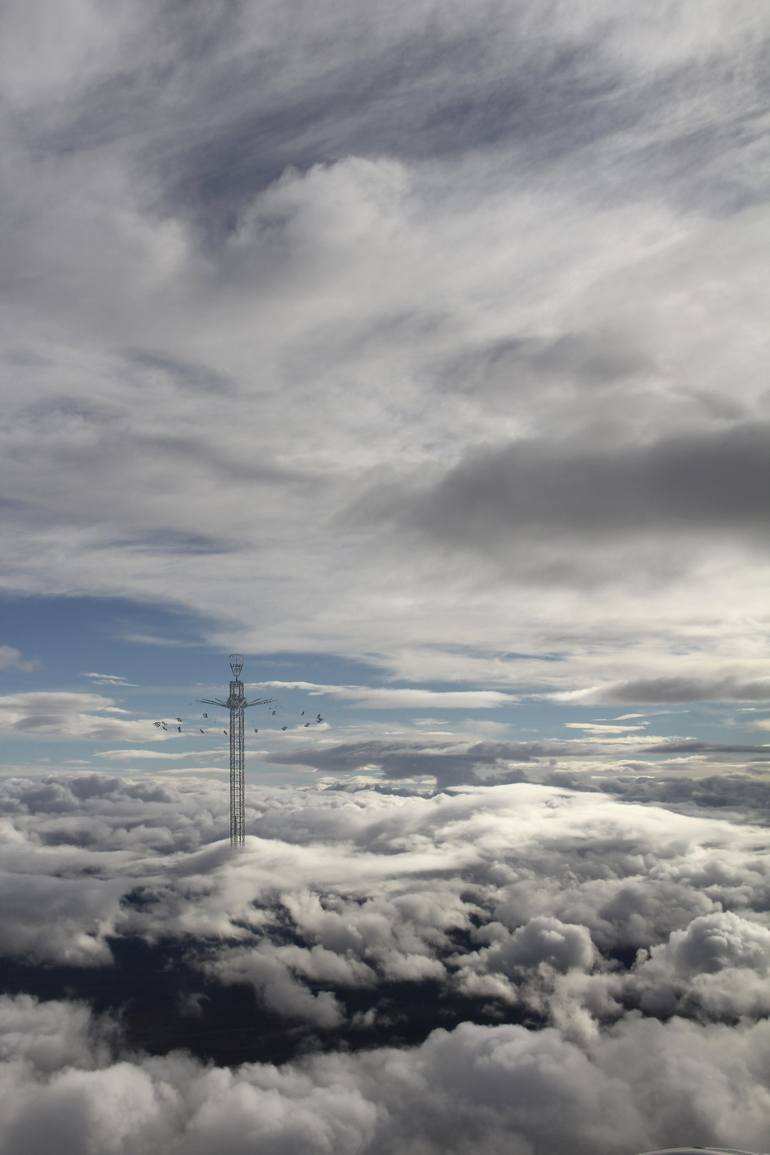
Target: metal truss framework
236 703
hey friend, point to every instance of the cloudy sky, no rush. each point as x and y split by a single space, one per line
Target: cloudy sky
415 350
418 351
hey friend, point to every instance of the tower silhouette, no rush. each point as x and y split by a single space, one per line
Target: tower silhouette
236 703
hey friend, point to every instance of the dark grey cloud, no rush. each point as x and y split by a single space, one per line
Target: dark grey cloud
696 746
713 482
449 762
581 763
714 687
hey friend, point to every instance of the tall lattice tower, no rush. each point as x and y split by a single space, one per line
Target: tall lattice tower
236 703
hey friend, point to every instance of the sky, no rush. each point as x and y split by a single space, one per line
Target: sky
418 353
411 347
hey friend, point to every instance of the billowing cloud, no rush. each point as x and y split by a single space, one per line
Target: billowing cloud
387 882
498 1087
416 966
717 967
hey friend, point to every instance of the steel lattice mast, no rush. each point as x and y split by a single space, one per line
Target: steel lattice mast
236 703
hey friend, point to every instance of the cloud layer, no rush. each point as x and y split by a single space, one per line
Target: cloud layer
581 958
498 1088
